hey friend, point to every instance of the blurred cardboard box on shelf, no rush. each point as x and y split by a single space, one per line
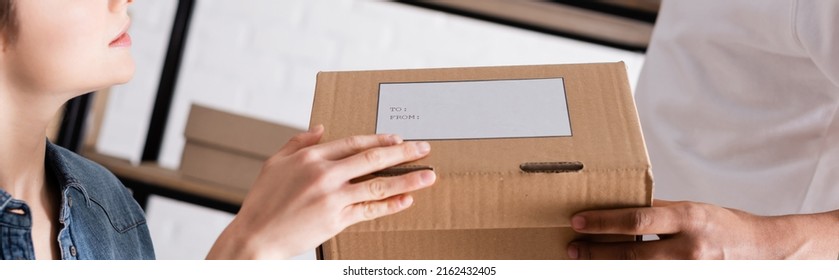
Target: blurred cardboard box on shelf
229 149
517 151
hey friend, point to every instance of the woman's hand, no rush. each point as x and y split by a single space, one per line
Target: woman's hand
303 195
690 230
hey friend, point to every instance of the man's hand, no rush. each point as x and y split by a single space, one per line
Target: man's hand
689 230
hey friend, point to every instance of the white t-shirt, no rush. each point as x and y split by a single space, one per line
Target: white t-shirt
738 102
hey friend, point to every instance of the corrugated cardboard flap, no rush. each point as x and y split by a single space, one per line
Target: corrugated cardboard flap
481 184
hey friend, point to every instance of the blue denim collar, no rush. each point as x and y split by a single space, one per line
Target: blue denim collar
63 172
100 219
5 199
56 164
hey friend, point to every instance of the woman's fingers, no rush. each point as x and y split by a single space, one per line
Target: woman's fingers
370 210
384 196
345 147
384 187
301 141
376 159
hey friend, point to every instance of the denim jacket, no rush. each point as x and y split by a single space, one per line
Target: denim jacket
99 219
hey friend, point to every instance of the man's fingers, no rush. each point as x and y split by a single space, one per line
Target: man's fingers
384 187
342 148
648 250
663 203
376 159
629 221
369 210
302 140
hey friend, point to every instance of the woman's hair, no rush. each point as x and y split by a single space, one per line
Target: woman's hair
8 21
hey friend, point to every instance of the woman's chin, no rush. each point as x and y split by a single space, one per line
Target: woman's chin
120 75
125 73
115 78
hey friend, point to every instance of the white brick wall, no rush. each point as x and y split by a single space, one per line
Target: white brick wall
260 57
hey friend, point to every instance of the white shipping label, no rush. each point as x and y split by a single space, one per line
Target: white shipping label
474 109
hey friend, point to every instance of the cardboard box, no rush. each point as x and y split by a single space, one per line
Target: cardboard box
502 192
229 149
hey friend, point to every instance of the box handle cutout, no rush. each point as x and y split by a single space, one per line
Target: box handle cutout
551 167
400 170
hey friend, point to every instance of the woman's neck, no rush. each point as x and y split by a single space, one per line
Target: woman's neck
23 123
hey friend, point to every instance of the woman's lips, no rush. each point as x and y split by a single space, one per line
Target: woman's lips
123 40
